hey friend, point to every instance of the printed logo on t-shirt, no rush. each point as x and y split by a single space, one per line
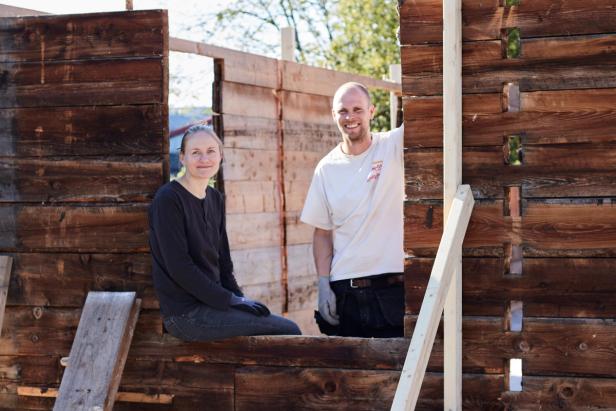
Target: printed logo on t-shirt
375 172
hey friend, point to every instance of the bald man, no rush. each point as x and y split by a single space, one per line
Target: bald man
355 203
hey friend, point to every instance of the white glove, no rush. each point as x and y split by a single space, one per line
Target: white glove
327 302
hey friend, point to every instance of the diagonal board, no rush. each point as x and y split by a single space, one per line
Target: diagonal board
99 352
431 310
6 263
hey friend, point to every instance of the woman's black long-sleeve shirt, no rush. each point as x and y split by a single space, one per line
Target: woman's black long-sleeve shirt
191 262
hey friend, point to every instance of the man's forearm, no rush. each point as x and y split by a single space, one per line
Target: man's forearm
323 251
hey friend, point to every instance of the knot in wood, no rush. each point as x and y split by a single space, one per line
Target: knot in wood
37 312
330 386
583 346
34 338
566 391
524 346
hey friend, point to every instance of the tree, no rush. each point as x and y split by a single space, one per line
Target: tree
346 35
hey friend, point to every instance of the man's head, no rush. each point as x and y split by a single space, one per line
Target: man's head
352 111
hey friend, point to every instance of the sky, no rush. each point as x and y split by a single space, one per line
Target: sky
190 76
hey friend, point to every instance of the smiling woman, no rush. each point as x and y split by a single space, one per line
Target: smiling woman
191 263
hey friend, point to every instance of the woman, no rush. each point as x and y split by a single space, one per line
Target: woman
192 269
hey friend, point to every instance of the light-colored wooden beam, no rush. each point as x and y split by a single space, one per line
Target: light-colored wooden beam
287 44
447 256
452 178
6 262
137 397
395 75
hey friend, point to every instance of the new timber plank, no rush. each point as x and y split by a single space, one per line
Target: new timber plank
243 164
64 279
309 136
309 108
262 231
550 229
263 388
564 170
83 36
92 180
82 83
99 352
246 100
544 64
545 117
74 229
422 22
250 132
66 131
588 284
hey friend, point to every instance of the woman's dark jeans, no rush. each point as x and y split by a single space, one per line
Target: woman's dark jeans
205 323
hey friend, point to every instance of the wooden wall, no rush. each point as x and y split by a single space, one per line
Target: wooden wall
553 215
276 124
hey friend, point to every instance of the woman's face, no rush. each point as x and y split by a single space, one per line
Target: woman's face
201 156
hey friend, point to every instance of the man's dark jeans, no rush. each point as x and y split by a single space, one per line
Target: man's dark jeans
367 312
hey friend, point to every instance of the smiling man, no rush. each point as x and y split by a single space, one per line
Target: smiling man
355 203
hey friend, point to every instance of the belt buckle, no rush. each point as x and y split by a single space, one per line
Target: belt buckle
353 284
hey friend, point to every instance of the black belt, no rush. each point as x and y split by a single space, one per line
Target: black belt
375 282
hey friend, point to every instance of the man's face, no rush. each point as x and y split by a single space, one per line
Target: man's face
352 113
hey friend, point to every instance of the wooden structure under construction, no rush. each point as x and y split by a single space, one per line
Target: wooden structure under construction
83 148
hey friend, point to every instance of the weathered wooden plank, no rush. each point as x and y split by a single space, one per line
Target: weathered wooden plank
68 37
74 229
544 64
79 83
6 263
303 293
546 117
250 132
29 369
49 131
547 229
63 280
306 136
99 351
246 100
588 284
263 388
93 180
421 21
581 170
251 231
242 164
575 394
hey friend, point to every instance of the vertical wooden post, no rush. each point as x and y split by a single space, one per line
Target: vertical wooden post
395 74
287 44
129 5
6 263
452 178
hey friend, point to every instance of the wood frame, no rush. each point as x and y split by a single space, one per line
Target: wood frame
447 257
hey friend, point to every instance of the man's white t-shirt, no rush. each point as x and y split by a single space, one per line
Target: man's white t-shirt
361 199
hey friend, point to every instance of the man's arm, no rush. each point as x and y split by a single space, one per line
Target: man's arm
323 250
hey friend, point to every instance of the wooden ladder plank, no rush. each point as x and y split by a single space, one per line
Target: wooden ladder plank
6 262
99 352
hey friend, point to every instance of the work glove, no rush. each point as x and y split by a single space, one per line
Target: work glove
327 302
249 306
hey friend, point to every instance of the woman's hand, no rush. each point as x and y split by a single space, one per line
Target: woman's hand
250 306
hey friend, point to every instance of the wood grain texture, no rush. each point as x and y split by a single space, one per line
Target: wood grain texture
74 229
588 284
64 279
554 63
92 180
82 83
563 170
422 20
246 100
546 117
6 264
67 131
561 228
99 352
100 35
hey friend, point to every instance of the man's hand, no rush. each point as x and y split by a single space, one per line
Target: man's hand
327 302
250 306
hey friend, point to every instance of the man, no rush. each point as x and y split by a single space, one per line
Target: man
355 203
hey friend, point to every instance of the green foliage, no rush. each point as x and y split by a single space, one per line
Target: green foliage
347 35
514 156
514 44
